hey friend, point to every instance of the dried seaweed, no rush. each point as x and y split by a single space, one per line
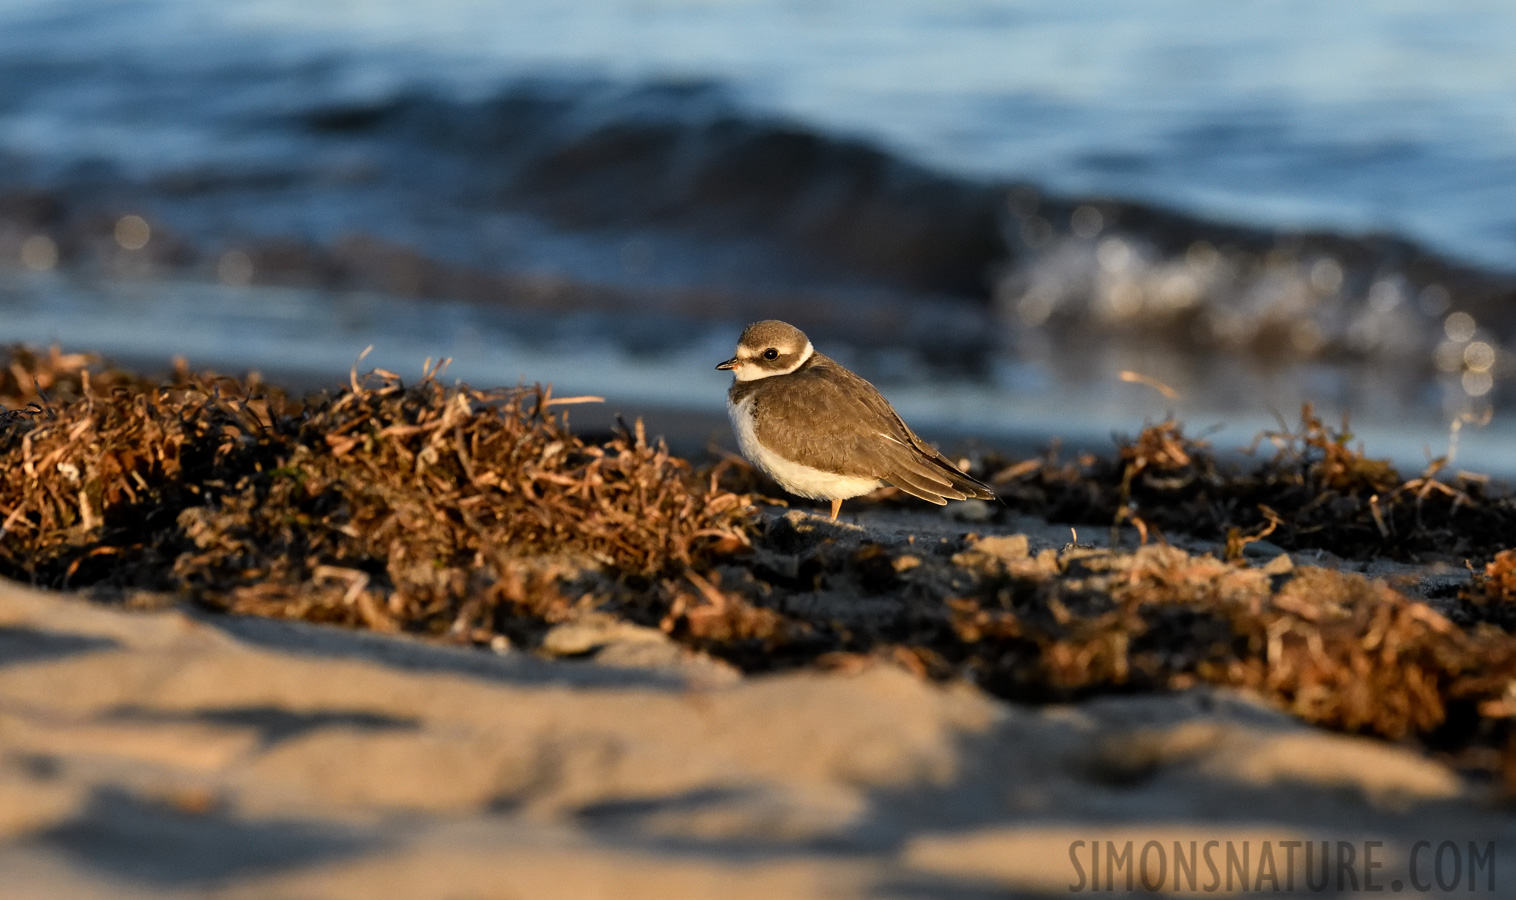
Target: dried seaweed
422 508
1318 491
478 515
1336 649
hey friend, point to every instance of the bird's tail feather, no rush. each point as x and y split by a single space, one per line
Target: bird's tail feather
944 469
934 479
930 490
962 481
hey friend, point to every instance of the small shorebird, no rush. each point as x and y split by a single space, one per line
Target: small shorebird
823 432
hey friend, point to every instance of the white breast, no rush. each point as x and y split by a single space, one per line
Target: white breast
793 477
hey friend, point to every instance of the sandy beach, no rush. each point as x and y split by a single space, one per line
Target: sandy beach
372 523
176 753
425 641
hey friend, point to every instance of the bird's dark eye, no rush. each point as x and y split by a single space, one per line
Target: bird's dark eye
771 353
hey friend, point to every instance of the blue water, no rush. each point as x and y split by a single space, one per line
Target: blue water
433 128
1383 116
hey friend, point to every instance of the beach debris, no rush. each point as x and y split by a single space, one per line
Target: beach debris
480 517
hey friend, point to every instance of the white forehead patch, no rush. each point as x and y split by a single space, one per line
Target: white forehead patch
748 369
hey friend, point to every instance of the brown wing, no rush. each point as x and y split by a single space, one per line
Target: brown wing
852 430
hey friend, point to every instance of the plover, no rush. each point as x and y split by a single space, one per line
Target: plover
823 432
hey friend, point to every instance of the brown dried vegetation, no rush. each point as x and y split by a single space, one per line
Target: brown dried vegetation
470 514
1336 649
1318 491
423 508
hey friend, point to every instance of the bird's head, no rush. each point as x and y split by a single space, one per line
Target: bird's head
768 348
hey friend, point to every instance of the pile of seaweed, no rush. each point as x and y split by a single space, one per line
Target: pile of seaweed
425 508
1318 491
480 516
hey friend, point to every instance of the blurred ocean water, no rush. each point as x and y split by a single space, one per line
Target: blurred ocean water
1004 204
1397 116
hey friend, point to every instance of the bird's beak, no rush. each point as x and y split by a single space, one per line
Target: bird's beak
728 365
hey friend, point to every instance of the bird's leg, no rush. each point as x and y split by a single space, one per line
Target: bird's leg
836 508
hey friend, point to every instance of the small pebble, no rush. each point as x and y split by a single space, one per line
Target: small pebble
970 511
